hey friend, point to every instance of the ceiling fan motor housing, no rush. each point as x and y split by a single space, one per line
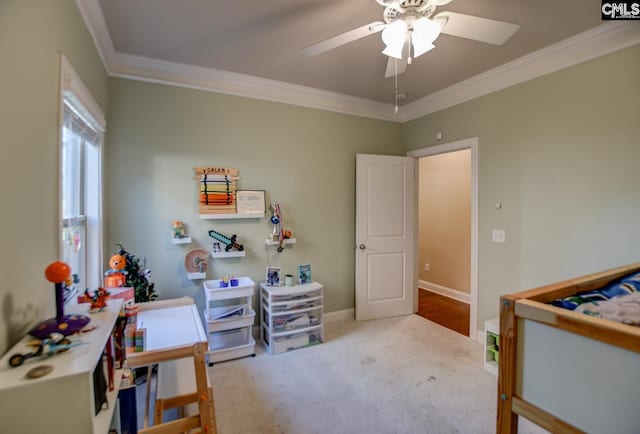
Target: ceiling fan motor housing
409 10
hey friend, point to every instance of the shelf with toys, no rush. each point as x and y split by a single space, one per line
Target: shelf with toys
225 246
231 216
230 254
179 233
269 242
280 236
229 318
219 197
60 371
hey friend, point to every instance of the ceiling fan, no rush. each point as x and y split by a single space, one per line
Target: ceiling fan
412 23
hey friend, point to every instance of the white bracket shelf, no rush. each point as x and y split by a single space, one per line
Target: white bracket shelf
183 240
231 254
231 216
196 276
269 242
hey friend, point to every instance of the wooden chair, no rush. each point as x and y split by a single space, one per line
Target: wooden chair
204 421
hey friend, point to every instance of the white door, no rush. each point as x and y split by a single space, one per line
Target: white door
384 236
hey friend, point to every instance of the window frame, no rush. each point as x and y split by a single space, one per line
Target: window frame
74 93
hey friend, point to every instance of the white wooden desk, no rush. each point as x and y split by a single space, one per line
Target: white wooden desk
168 328
171 333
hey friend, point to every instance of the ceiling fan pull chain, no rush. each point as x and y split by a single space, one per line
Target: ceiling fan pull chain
395 111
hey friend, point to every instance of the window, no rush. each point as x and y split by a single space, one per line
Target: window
82 131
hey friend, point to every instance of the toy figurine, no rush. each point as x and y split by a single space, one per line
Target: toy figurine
279 233
229 242
178 230
276 219
98 299
116 275
54 344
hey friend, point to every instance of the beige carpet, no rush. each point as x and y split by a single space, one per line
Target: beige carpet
397 375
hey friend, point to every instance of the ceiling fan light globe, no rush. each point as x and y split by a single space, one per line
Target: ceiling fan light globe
421 47
426 30
391 51
393 37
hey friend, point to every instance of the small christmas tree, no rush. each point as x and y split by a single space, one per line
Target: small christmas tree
138 276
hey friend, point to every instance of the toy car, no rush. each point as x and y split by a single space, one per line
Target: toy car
54 344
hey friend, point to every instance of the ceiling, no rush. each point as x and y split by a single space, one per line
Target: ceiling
265 38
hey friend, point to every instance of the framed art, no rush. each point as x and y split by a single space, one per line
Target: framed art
250 202
273 276
304 273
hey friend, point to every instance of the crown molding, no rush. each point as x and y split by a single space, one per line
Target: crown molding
604 39
601 40
91 13
231 83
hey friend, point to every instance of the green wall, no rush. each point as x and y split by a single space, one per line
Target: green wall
561 154
303 158
31 35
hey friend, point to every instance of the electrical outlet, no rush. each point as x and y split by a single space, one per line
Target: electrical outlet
499 236
427 266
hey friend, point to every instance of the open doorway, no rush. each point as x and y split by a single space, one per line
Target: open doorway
444 239
446 242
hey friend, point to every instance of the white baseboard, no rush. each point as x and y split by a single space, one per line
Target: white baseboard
339 315
443 290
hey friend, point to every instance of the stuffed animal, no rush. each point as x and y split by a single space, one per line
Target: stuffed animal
116 275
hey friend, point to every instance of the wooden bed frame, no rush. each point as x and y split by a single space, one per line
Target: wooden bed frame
567 371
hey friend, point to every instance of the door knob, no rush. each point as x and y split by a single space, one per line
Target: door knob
362 246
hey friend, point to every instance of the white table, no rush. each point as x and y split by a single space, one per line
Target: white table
171 327
169 330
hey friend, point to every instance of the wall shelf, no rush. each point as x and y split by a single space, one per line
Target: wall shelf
196 276
231 254
286 241
231 216
184 240
491 345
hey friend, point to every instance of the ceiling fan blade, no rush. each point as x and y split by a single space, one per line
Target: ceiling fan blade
343 38
477 28
391 66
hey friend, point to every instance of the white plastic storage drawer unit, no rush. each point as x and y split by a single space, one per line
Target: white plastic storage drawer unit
291 316
229 318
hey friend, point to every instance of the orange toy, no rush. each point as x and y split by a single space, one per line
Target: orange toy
115 276
57 272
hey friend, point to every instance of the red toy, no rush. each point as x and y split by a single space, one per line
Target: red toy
98 300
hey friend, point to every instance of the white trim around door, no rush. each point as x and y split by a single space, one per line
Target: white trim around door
472 144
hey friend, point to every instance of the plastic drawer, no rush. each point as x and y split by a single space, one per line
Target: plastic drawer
296 305
286 323
233 322
295 297
229 338
297 340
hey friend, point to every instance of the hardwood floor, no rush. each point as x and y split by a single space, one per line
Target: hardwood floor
447 312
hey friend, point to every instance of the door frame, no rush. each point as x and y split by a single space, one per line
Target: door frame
472 144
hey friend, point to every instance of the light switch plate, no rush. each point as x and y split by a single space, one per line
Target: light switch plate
498 236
